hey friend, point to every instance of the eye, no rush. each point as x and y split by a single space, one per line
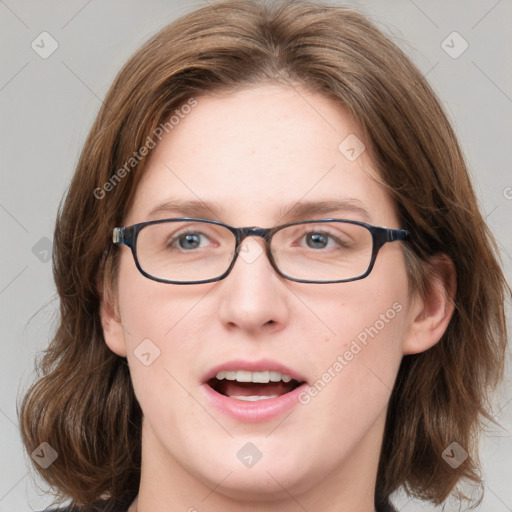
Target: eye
186 240
317 240
320 239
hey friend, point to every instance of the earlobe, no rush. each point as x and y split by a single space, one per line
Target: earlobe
431 314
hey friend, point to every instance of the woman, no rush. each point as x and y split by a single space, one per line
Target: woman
277 290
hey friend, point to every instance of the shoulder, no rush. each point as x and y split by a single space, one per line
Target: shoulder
100 506
383 504
61 509
386 506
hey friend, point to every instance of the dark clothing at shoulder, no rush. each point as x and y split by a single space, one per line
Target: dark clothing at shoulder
99 506
386 506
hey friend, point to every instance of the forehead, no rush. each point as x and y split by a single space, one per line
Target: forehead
255 153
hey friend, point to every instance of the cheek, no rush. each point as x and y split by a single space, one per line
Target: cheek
366 318
366 344
150 309
356 365
155 319
354 375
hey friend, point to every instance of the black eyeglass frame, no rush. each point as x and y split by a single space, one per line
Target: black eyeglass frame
380 236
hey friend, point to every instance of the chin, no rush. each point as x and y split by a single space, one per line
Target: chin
256 485
260 479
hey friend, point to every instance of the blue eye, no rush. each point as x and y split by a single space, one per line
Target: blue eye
186 240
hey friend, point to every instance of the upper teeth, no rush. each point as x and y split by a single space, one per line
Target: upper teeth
258 377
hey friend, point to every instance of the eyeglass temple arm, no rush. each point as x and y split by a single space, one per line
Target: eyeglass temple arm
396 234
118 236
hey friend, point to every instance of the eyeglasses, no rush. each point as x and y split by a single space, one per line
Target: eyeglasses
191 251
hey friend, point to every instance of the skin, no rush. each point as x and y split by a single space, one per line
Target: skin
253 152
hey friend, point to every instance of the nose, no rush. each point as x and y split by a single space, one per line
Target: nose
251 248
253 296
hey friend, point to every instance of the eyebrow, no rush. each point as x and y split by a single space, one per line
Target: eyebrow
300 210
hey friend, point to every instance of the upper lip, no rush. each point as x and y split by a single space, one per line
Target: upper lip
259 365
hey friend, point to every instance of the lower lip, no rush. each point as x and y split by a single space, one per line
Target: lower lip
253 412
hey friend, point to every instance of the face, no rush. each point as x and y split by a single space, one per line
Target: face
252 154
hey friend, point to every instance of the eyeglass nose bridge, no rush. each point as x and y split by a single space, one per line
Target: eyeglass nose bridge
242 233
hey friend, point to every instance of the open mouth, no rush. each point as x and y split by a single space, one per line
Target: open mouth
253 386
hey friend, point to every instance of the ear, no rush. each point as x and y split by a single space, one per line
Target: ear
432 313
113 331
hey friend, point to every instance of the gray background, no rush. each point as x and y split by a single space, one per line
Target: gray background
49 104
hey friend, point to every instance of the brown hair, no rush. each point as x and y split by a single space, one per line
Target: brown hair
84 405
